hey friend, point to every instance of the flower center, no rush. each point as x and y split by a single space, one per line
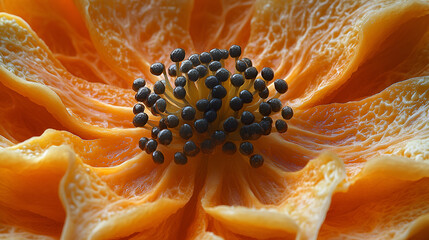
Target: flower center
209 106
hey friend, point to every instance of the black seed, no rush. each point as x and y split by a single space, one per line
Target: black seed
152 98
246 96
224 53
246 148
172 71
195 59
159 87
236 103
216 54
207 146
142 94
256 131
265 109
177 55
264 93
201 125
229 148
172 121
202 105
237 80
162 124
275 104
214 66
219 137
202 70
222 74
247 117
186 131
211 82
165 137
142 142
266 118
157 69
154 132
256 161
158 157
138 83
281 126
267 73
280 85
245 132
287 112
219 91
140 119
215 104
193 75
259 84
161 105
235 51
266 127
180 81
151 146
186 66
247 61
138 108
240 65
180 158
250 73
230 124
190 149
210 115
153 110
205 57
251 132
179 92
188 113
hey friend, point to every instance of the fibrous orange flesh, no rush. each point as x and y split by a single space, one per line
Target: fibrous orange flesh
357 73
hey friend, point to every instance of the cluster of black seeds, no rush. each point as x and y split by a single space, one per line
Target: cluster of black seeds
209 105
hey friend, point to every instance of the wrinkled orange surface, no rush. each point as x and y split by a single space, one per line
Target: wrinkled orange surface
354 163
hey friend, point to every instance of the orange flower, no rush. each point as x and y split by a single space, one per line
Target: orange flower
353 164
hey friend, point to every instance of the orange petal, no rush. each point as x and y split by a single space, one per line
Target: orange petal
129 185
225 23
17 119
61 27
13 232
29 189
393 122
102 152
30 69
31 172
321 45
132 35
403 55
297 202
390 200
94 210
